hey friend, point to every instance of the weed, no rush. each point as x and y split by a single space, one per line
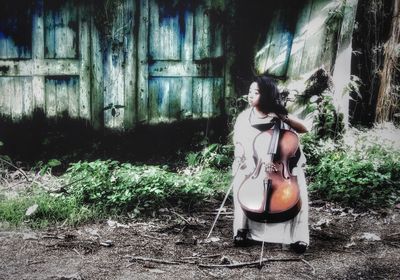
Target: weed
50 210
363 174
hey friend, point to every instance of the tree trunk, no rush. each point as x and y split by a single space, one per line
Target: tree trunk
373 23
388 95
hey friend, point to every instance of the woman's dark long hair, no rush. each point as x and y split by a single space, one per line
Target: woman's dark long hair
270 98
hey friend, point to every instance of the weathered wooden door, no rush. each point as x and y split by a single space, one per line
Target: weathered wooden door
181 50
51 71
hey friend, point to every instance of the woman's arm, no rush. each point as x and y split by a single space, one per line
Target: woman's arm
294 122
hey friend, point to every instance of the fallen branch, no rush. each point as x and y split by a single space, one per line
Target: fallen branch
307 263
202 257
159 260
152 237
236 265
16 167
180 216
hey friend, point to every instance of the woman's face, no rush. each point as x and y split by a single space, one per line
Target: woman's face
254 95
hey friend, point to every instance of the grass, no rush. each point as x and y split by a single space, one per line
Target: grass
98 189
51 210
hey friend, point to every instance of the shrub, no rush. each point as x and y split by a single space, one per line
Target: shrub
213 156
51 209
126 187
367 173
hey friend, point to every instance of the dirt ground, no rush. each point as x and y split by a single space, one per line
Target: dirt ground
345 244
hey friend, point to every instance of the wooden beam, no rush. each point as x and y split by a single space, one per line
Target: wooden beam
38 53
40 67
185 69
143 73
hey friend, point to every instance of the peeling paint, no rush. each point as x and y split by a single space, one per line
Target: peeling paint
4 69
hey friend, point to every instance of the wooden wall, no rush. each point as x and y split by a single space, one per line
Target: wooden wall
55 76
312 43
117 63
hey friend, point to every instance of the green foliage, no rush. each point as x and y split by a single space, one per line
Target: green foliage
51 209
316 100
354 86
213 156
125 187
47 167
315 149
366 174
328 124
235 106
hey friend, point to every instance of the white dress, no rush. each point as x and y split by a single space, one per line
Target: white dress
287 232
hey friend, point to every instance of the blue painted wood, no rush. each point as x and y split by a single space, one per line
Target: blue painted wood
165 99
61 29
61 96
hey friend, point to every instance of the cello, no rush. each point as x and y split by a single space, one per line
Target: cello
271 192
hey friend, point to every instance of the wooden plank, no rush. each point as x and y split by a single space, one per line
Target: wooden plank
279 68
316 36
3 83
28 98
261 58
299 40
207 94
51 97
174 99
50 32
230 54
11 48
187 44
143 62
84 69
61 25
38 31
62 67
186 69
69 31
3 46
130 65
39 98
114 74
16 44
197 98
208 22
212 89
165 99
157 100
61 33
164 32
17 101
186 93
97 84
113 91
274 44
274 55
62 104
6 93
73 93
38 82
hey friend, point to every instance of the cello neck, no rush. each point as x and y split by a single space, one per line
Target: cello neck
273 146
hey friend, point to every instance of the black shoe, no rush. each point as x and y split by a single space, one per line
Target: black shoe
299 247
241 239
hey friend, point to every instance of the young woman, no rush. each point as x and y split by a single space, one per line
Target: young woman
265 106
